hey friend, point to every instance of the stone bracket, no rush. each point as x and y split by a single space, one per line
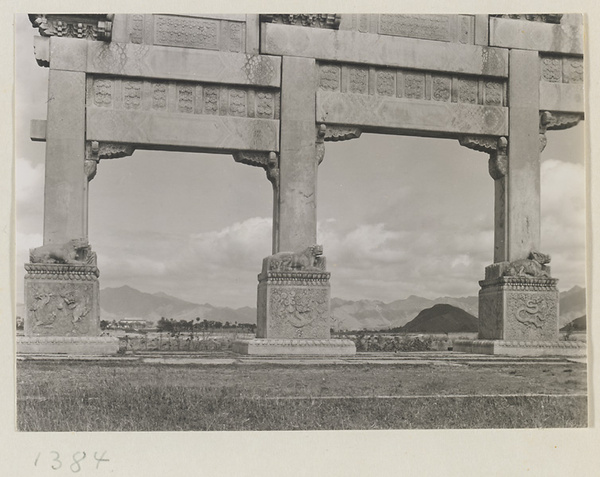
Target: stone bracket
496 147
269 161
326 133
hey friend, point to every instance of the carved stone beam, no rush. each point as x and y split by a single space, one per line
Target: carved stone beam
84 26
333 133
315 20
94 151
269 161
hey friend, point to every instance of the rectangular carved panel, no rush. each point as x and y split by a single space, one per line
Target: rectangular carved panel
381 113
186 97
429 27
410 84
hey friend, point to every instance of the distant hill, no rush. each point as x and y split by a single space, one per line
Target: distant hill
127 302
442 318
578 324
376 315
572 305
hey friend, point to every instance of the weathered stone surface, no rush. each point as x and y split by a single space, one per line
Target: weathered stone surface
448 28
356 47
65 196
187 132
69 345
523 185
561 97
61 300
384 113
538 36
521 348
295 347
519 308
140 60
297 204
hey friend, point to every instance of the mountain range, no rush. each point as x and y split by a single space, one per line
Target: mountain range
127 302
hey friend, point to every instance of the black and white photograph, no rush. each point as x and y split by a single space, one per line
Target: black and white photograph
249 226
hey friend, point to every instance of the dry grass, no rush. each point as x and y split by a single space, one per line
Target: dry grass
71 396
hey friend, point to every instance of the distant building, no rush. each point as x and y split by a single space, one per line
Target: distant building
132 324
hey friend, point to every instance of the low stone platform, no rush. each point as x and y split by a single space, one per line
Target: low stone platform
295 347
521 348
68 345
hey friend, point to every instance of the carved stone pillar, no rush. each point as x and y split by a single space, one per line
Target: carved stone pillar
61 284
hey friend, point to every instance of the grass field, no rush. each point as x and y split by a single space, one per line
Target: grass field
121 396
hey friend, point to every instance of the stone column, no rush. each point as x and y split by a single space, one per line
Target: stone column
61 284
518 300
293 311
523 179
297 206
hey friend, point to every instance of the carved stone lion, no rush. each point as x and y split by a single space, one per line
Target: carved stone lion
533 266
74 252
309 259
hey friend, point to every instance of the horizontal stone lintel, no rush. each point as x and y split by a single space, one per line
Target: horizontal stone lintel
182 132
389 115
367 48
164 62
561 97
527 35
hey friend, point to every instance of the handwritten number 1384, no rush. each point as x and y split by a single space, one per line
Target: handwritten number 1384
75 463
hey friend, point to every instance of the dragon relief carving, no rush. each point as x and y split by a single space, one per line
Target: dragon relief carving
531 311
533 266
73 252
310 259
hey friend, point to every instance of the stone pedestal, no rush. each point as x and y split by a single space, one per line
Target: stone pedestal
518 314
293 308
62 311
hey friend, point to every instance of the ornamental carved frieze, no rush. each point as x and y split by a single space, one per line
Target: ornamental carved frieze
87 27
544 18
314 20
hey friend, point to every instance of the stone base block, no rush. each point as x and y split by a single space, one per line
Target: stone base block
518 308
522 348
295 347
293 305
69 345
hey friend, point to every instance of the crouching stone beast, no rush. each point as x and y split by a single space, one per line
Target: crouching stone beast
309 259
73 252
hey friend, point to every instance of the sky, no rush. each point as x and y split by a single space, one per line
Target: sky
397 216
